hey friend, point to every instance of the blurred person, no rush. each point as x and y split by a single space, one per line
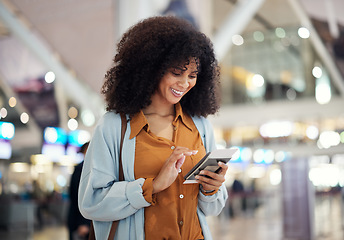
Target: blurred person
252 197
78 226
165 80
237 192
41 199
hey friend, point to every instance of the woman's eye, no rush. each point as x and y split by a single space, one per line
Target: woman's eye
176 73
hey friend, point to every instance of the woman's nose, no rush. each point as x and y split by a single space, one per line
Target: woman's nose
184 82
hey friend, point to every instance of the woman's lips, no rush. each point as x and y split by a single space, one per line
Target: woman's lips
177 93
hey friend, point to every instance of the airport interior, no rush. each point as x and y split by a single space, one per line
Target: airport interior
282 91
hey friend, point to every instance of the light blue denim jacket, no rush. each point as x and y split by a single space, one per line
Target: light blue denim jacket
104 199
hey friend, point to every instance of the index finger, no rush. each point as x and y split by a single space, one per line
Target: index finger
184 150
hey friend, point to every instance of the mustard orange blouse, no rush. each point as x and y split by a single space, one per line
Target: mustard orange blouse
172 214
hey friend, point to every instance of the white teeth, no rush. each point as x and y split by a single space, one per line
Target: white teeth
177 92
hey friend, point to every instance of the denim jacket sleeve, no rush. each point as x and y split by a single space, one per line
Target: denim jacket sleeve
101 196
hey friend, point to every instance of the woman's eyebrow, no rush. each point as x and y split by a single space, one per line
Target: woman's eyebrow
180 68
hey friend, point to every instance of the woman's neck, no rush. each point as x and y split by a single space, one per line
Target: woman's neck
159 109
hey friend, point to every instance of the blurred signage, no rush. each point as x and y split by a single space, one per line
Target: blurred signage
38 97
5 149
6 130
58 143
54 135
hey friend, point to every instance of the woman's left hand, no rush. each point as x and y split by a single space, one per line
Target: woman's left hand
214 180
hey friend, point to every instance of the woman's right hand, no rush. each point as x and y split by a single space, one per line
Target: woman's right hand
170 169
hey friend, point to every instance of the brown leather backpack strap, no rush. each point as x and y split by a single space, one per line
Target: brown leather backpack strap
123 130
91 234
120 178
113 230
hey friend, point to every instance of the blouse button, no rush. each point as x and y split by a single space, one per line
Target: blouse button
175 128
173 147
181 223
181 196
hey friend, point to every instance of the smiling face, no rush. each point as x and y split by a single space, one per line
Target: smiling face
176 82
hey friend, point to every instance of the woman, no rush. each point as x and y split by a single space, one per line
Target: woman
164 79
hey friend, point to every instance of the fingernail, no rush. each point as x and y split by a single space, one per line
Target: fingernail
195 151
202 172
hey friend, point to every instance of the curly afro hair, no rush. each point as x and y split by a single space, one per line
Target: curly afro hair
144 54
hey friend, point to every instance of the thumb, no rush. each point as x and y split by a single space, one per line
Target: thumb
180 162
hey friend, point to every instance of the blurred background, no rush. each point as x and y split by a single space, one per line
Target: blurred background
282 68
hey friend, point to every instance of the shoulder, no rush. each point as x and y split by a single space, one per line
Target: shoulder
109 117
202 124
108 127
109 121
